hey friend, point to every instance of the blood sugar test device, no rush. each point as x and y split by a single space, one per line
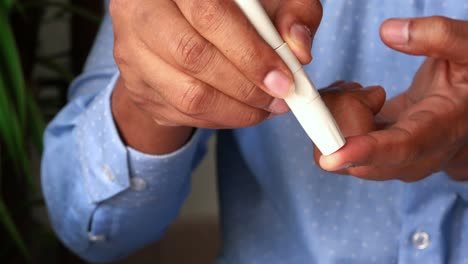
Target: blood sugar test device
304 100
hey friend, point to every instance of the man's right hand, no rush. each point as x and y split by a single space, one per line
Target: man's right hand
199 63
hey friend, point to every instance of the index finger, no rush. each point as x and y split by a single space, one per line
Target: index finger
418 135
224 25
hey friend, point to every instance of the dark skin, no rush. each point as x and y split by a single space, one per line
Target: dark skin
426 127
165 91
168 52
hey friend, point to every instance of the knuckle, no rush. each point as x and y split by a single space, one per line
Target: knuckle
249 92
255 63
207 15
252 117
256 60
251 59
373 143
196 100
408 150
194 53
455 111
141 95
254 96
139 99
165 117
120 54
440 34
342 102
442 25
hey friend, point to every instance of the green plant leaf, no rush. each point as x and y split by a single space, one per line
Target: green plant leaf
5 118
9 225
11 63
6 249
14 136
6 5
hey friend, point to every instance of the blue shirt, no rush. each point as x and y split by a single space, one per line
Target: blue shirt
277 206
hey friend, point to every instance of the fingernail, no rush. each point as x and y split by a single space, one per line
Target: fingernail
278 83
278 106
329 163
302 35
396 31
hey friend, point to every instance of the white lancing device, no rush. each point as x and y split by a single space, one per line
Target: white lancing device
304 101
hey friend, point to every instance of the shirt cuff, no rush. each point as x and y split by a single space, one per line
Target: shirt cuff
108 164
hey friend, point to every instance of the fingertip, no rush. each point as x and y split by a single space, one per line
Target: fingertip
278 107
374 98
354 153
278 83
381 94
297 34
299 38
377 91
333 163
395 32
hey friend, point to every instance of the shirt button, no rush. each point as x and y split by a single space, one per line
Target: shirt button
96 238
138 184
421 240
108 173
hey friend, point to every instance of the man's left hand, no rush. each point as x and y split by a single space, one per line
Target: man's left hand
425 129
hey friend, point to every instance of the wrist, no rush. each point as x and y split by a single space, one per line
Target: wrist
138 130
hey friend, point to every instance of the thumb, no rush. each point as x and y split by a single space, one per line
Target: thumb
297 22
437 37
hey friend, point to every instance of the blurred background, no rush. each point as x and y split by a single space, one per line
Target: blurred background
43 45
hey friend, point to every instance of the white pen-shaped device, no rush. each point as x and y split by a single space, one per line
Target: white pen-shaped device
304 101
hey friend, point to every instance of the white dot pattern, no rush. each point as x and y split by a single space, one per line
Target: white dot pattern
277 205
332 218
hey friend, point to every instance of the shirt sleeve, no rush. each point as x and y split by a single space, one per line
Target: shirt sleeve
104 199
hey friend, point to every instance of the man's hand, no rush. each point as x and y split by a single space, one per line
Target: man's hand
426 127
199 63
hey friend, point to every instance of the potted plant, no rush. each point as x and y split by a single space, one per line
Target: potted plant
26 238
